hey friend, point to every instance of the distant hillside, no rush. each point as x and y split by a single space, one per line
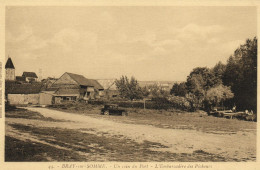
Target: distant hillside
109 83
167 85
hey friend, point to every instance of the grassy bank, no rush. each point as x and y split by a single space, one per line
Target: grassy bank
175 119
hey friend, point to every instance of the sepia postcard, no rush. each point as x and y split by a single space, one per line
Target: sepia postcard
129 85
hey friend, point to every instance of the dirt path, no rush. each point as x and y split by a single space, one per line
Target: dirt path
240 145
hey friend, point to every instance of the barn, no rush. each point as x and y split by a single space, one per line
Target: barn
71 85
110 90
98 88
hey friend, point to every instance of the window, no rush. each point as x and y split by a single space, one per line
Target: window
65 98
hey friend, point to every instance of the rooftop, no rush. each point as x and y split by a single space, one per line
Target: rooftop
81 80
9 63
30 74
12 87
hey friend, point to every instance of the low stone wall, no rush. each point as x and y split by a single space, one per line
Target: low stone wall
23 99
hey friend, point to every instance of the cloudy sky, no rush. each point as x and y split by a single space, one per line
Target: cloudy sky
149 43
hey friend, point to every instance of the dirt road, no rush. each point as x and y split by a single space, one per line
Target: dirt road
240 146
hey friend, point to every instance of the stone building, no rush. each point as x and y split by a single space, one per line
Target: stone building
9 70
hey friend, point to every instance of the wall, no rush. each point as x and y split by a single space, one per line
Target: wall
57 100
90 93
16 99
101 93
45 99
10 74
60 99
111 93
28 79
90 89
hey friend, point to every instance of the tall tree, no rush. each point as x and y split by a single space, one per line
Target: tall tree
203 76
129 89
241 75
198 82
218 70
179 89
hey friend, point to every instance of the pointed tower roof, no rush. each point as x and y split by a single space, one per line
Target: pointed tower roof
9 63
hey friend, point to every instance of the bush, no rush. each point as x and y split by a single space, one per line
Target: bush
158 103
154 104
161 103
180 103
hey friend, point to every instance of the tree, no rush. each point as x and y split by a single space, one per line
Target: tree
145 91
193 101
156 91
218 70
201 77
198 82
129 89
218 94
241 75
179 89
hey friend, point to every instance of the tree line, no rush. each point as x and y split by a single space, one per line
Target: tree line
234 83
230 84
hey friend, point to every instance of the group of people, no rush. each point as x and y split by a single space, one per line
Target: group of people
246 111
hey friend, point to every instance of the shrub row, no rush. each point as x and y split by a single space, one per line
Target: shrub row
175 102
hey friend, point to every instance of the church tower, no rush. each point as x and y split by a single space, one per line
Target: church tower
9 70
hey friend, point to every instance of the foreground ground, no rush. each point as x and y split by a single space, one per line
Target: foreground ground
42 134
